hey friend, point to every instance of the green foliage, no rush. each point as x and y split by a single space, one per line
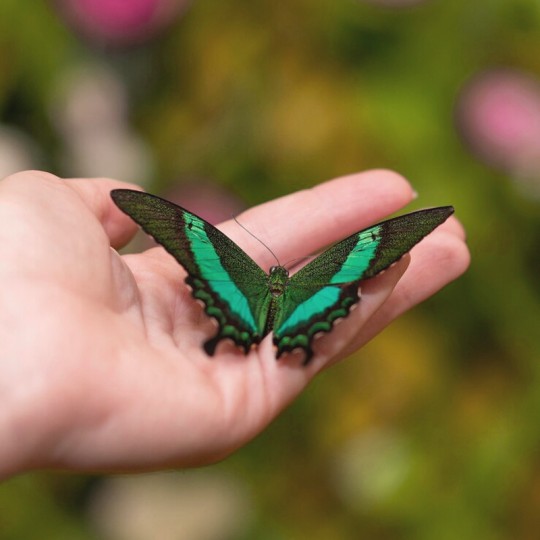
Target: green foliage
432 431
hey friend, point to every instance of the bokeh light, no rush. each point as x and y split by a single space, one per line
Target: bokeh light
119 21
207 199
89 111
499 117
170 506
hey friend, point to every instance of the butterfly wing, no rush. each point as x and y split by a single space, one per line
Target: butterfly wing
232 287
326 288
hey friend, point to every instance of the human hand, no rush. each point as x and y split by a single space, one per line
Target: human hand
101 363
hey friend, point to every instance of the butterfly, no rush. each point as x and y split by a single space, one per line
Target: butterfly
248 303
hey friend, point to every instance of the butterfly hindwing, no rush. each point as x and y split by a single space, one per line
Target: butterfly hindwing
232 287
326 288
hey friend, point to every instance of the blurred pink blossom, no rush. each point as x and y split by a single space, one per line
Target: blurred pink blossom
120 21
206 199
499 117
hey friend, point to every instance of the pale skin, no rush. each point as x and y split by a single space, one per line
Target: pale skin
101 364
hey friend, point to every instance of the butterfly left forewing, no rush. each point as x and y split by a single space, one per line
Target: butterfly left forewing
326 288
230 284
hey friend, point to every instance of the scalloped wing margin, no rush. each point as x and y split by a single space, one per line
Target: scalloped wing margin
334 302
326 288
229 283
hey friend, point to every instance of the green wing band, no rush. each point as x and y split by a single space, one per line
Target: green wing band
318 315
399 235
211 270
230 284
326 289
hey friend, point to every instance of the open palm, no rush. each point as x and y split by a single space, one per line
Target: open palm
101 365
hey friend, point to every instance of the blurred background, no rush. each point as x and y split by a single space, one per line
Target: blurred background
433 429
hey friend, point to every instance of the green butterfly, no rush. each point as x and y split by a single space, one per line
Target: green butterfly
248 303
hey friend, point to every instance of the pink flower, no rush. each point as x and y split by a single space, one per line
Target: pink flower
120 21
499 116
206 199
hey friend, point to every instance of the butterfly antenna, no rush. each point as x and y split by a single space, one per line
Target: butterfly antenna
293 262
258 240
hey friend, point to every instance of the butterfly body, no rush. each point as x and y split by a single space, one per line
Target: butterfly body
247 302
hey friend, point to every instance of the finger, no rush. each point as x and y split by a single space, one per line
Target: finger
301 223
436 261
96 195
32 186
453 226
